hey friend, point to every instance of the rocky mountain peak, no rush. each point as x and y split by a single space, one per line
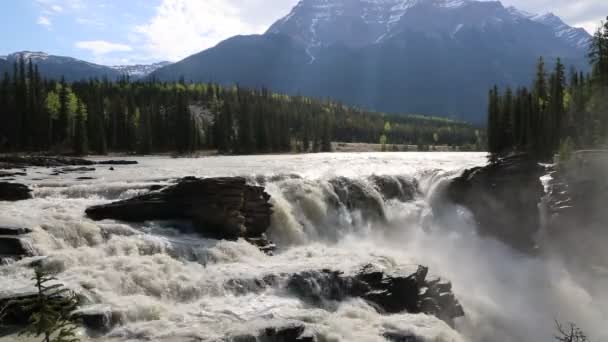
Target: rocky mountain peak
357 23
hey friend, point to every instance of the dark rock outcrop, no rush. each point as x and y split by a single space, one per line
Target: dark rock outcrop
226 208
117 162
13 312
358 195
99 321
396 187
294 332
412 293
504 198
78 169
10 174
13 192
17 162
14 231
12 246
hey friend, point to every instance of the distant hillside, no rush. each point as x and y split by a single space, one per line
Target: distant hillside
73 69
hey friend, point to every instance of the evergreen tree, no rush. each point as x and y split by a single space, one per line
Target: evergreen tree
51 310
80 139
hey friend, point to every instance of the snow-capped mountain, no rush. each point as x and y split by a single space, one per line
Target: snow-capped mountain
73 69
139 70
357 23
575 36
436 57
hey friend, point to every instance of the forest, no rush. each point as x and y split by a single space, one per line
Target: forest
101 116
559 113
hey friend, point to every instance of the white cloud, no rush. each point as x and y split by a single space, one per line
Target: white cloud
102 47
183 27
57 8
44 21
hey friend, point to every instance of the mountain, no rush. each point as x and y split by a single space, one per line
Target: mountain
436 57
139 70
73 69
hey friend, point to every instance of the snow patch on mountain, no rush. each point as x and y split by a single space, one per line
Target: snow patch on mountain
317 23
139 70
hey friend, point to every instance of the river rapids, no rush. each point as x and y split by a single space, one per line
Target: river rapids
331 211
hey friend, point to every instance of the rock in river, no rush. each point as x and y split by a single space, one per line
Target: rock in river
13 192
504 198
226 208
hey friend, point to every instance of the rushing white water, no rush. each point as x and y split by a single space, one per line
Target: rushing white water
173 287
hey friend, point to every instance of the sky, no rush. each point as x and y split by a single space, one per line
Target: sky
118 32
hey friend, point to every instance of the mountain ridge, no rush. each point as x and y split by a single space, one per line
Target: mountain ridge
73 69
436 57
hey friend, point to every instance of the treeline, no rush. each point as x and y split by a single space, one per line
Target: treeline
98 116
559 112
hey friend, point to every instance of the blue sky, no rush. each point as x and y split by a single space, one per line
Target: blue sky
142 31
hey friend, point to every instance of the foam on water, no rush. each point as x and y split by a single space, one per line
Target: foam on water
174 287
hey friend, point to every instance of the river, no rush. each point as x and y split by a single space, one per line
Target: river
171 286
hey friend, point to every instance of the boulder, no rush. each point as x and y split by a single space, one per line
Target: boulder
14 231
13 312
294 332
117 162
78 169
98 320
13 192
400 337
11 174
226 208
17 162
503 198
389 293
13 246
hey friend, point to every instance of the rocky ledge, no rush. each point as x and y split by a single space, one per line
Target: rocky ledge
504 198
12 192
388 293
225 208
13 246
21 162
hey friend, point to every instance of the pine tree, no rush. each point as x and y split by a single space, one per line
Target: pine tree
80 141
51 310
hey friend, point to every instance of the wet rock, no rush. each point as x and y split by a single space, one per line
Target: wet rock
98 320
225 208
357 195
117 162
263 243
396 187
503 198
245 286
155 187
400 337
13 246
294 332
388 293
78 169
14 231
11 174
13 192
41 161
14 313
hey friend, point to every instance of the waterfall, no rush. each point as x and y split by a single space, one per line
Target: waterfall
331 212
